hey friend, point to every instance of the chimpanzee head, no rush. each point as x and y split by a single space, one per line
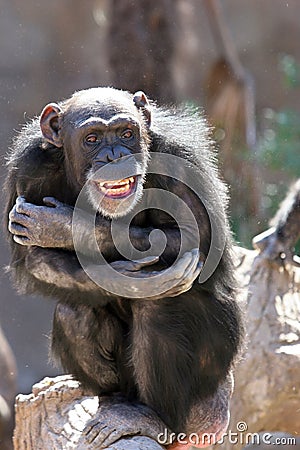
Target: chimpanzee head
104 134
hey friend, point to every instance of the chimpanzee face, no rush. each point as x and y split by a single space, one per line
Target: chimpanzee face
101 130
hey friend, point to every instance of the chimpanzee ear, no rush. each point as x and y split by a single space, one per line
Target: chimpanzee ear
50 123
141 102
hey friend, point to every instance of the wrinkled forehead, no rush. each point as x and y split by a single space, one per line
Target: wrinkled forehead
104 103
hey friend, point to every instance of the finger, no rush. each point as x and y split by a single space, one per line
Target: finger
110 439
173 281
20 199
195 255
144 262
97 431
174 292
12 214
134 266
115 435
179 268
200 264
26 208
15 228
187 282
164 278
179 277
171 276
89 430
189 276
188 279
102 436
21 205
15 217
22 240
193 270
51 201
157 291
190 268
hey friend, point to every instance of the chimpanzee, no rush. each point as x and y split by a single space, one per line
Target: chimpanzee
172 343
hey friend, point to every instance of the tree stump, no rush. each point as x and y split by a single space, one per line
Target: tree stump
58 410
8 389
267 380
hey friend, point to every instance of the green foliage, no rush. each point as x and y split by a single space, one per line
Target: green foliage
279 146
290 69
279 155
273 166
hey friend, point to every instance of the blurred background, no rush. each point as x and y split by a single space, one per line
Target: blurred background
238 60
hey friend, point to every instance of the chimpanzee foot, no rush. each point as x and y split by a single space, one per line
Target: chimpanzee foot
116 419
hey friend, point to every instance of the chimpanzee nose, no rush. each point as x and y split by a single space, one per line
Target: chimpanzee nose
109 154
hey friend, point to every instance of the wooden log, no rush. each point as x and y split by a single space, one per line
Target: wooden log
267 380
58 410
8 389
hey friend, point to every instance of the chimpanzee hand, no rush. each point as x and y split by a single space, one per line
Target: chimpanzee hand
168 283
118 418
43 226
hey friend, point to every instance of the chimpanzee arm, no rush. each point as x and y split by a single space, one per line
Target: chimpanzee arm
43 227
51 227
55 268
58 269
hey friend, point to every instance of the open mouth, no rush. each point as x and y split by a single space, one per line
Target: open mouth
117 188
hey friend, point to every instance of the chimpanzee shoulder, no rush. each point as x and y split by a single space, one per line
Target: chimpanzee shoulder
31 155
184 132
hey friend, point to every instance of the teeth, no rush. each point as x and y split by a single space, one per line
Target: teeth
111 184
116 191
116 187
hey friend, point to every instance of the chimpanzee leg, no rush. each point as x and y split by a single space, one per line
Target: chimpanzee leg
163 360
87 341
181 356
208 419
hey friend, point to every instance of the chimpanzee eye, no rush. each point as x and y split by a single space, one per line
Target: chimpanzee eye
92 138
127 134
